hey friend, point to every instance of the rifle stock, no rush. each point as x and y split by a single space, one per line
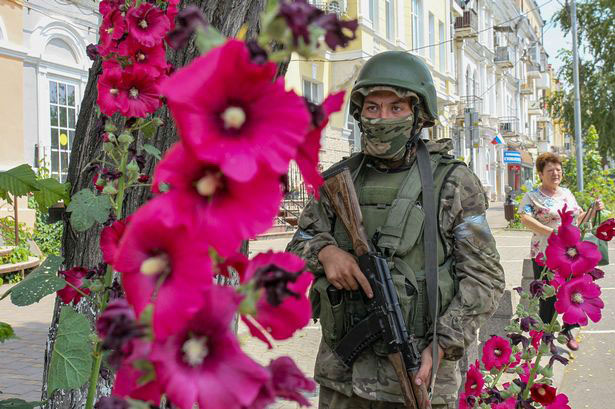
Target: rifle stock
339 188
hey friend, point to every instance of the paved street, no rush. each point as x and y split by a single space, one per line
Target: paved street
21 360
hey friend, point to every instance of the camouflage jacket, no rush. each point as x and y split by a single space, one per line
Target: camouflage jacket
463 224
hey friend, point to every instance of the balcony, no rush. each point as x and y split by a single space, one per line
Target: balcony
469 102
466 26
533 70
503 57
508 126
527 88
330 6
535 108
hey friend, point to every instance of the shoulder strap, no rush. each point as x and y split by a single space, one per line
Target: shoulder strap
430 247
353 163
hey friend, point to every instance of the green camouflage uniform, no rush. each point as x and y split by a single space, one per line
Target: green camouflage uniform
371 382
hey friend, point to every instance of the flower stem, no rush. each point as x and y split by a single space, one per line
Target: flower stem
78 290
530 382
89 403
497 378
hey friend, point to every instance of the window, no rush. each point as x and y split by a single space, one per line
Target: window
313 91
63 117
432 38
373 13
442 47
417 25
390 18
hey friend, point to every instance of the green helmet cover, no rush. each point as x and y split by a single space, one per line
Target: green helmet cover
403 70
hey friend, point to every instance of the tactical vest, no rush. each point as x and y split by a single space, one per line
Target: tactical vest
393 216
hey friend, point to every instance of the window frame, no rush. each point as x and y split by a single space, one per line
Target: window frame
60 170
432 37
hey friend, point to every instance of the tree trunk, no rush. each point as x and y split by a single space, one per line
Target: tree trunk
82 249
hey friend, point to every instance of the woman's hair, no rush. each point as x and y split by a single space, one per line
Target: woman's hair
545 158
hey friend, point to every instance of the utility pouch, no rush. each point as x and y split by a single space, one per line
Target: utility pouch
329 306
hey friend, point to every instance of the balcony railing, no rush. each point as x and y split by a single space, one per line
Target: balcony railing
508 126
533 70
466 26
472 102
503 57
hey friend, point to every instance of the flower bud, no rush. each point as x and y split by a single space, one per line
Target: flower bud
109 189
108 147
547 371
125 138
133 166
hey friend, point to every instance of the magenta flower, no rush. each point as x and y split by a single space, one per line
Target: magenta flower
474 380
536 338
527 370
496 353
288 380
139 95
606 230
203 363
466 401
110 238
74 276
307 155
540 260
128 380
107 6
510 403
213 202
568 255
560 402
231 112
578 299
111 30
566 216
109 88
152 59
147 24
543 394
158 255
283 306
337 30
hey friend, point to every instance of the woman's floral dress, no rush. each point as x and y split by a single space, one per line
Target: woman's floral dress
544 209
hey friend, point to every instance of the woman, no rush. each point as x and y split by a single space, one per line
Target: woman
539 213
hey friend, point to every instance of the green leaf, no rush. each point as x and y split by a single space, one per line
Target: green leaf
208 38
6 332
18 404
86 208
18 181
152 150
50 192
149 129
71 360
41 282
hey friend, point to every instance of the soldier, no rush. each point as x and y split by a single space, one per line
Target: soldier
393 99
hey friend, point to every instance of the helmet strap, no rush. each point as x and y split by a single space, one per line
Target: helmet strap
416 130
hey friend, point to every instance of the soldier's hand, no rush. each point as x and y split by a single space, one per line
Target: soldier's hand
423 376
342 270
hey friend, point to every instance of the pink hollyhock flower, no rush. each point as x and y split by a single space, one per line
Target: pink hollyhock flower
509 403
536 338
158 256
128 380
232 112
109 89
139 94
517 360
606 231
74 276
543 393
527 369
287 382
147 24
216 202
496 353
110 238
557 280
111 30
540 260
570 256
203 363
307 155
97 186
560 402
282 307
578 299
474 380
171 12
152 59
566 216
107 6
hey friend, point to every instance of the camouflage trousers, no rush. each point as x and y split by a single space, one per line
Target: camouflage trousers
448 382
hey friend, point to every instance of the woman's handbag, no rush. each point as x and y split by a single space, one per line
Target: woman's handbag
603 246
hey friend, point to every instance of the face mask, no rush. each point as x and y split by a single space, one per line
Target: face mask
386 138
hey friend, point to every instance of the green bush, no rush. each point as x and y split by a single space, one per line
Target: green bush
48 237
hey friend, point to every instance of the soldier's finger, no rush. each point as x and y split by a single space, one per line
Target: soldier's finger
345 283
360 277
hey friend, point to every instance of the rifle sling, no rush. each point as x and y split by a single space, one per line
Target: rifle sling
359 337
430 235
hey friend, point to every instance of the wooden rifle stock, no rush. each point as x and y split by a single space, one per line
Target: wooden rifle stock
339 188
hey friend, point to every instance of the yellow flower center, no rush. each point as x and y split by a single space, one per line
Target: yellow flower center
577 298
140 56
109 30
233 117
497 352
195 350
143 24
572 252
134 93
208 184
114 91
156 265
542 391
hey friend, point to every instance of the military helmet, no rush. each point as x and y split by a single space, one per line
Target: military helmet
403 70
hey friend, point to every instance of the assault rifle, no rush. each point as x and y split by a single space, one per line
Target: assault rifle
384 320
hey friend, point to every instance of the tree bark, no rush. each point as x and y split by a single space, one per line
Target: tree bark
82 249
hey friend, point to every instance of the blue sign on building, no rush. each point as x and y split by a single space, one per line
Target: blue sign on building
512 157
